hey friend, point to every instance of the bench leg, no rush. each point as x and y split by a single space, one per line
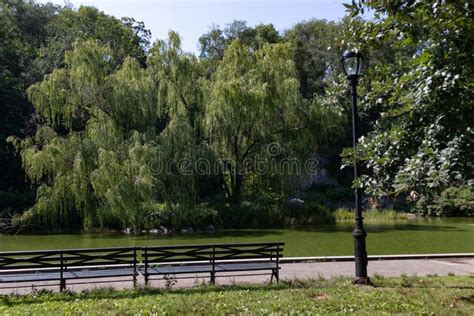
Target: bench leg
276 275
134 281
62 285
213 278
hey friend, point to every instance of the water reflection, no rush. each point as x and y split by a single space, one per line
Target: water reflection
439 235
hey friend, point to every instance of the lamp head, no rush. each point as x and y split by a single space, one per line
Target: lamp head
352 64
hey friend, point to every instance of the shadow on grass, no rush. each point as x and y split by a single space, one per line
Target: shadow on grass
108 293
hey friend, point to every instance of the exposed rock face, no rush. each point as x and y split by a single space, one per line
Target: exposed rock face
164 230
209 229
315 172
128 230
154 231
295 202
187 230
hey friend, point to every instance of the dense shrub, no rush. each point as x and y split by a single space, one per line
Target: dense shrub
453 201
310 213
15 200
197 217
264 211
329 195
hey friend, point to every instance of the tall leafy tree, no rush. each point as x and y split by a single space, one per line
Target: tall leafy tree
181 106
34 38
214 42
317 50
96 172
423 139
22 32
114 137
126 38
253 101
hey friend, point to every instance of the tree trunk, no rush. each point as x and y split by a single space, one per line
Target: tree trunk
236 192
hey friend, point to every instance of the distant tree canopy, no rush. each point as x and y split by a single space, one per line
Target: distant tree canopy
33 40
317 52
124 37
213 43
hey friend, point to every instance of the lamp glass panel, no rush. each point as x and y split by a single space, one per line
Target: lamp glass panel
359 61
350 65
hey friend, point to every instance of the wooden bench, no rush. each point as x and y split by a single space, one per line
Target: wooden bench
68 265
215 259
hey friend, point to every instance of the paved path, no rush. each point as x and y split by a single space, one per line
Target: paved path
419 267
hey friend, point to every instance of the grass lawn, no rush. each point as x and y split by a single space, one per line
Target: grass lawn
413 295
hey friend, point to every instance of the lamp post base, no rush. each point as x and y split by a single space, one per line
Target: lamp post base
359 281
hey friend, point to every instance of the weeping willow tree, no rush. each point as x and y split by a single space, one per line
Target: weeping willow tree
254 113
117 142
104 126
180 103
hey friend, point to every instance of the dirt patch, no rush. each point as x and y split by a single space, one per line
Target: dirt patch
321 297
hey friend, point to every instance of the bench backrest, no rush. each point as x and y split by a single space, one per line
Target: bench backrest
248 251
17 260
68 258
99 257
213 253
119 256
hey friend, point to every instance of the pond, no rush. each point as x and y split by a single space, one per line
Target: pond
421 235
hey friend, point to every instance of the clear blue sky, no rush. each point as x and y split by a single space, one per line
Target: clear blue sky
192 18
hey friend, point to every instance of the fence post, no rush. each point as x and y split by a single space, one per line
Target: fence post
145 256
62 281
213 273
135 267
278 263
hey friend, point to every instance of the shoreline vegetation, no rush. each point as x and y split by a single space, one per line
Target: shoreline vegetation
401 295
320 216
344 214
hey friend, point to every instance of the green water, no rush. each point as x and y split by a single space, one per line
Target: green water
436 235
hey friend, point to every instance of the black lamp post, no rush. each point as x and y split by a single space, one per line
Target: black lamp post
352 65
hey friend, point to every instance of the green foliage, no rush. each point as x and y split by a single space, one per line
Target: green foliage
329 195
254 103
125 38
180 105
11 200
248 91
96 174
214 43
317 51
264 212
311 213
422 138
121 126
196 217
453 201
33 40
403 295
22 31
